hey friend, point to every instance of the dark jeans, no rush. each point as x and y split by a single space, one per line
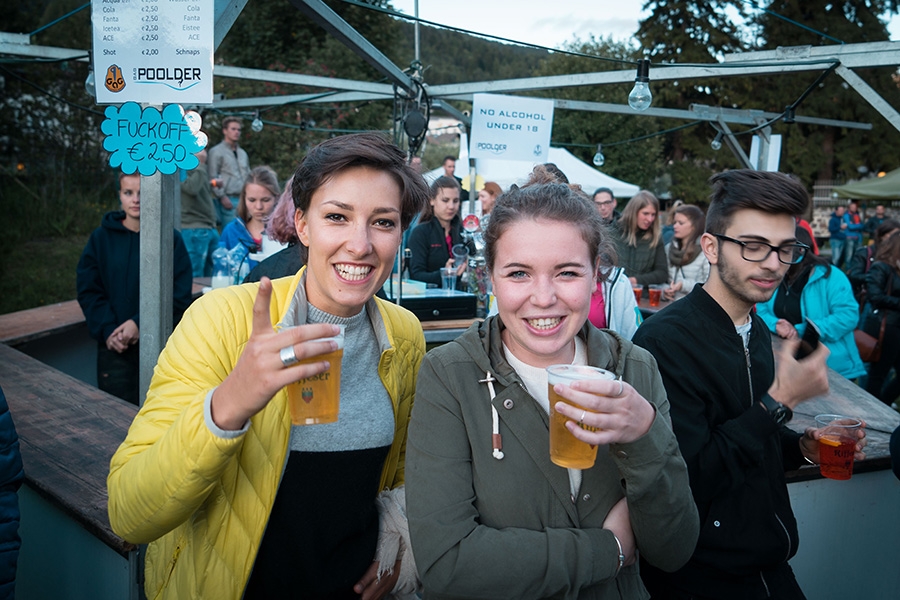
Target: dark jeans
878 372
118 374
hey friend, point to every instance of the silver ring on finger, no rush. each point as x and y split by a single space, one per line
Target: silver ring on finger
581 420
621 389
287 356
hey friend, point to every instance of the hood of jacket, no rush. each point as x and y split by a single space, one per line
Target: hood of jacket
114 220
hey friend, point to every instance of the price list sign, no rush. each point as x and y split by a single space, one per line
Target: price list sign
153 51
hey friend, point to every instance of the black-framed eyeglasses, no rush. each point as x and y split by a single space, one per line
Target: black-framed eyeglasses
604 202
788 254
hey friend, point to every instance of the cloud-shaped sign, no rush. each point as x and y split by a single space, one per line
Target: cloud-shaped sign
147 140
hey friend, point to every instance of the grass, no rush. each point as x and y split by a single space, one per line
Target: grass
39 272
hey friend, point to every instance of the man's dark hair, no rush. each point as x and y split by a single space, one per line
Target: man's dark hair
774 193
229 120
601 190
359 150
448 157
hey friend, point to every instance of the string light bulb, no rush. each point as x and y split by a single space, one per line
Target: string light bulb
89 85
716 144
256 124
599 159
640 97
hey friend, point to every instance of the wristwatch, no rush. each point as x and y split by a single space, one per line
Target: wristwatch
780 413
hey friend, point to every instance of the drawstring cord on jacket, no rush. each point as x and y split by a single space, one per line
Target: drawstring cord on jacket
496 438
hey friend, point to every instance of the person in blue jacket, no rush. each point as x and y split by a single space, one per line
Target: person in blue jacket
11 476
813 289
107 282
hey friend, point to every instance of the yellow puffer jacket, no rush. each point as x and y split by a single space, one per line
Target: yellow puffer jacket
202 502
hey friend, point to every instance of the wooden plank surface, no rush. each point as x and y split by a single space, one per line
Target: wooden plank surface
68 432
34 323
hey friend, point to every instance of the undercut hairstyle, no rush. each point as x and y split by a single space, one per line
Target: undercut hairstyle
229 120
773 193
263 176
628 222
448 157
544 198
373 150
441 183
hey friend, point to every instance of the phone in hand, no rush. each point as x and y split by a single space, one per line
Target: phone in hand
809 342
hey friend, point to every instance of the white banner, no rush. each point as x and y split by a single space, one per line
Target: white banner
511 128
153 51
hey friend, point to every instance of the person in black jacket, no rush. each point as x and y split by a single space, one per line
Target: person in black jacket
729 402
438 231
107 282
883 292
11 477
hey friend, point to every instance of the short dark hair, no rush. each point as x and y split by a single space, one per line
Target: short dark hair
602 190
372 150
448 157
544 198
774 193
229 120
441 183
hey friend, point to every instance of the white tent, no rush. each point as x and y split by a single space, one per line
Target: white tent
507 172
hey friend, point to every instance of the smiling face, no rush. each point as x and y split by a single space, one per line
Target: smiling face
352 230
445 205
682 226
738 284
645 217
543 291
260 202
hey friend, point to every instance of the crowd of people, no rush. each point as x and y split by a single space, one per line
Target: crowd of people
436 480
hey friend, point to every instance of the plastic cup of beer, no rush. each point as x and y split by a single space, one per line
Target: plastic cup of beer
655 293
448 279
837 445
565 449
314 400
638 290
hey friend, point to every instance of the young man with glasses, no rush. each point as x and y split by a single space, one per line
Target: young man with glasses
729 402
606 205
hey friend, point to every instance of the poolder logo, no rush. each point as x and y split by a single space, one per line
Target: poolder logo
497 149
177 78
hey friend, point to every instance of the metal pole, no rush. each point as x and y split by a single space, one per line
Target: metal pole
416 30
156 271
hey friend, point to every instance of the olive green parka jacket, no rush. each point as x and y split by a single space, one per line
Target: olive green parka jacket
510 528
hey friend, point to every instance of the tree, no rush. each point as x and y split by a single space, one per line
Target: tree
816 151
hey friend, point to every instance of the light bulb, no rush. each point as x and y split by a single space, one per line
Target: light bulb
89 86
599 159
716 144
256 125
640 97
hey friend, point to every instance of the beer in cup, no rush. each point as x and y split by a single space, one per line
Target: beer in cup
316 399
837 445
565 449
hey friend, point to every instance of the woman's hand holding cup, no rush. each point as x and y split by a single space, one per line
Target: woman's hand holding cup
612 408
263 368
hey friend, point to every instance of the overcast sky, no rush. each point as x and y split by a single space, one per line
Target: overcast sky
543 22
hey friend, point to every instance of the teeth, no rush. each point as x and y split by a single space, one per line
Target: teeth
544 323
353 272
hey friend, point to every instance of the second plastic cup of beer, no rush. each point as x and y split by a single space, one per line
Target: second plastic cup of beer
638 291
837 445
316 399
565 449
655 293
